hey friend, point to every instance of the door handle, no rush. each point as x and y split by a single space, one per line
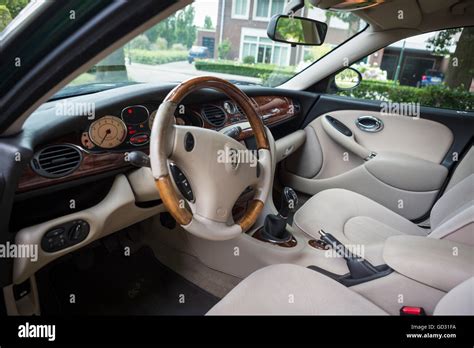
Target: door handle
346 140
369 124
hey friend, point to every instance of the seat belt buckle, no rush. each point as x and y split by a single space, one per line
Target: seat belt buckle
412 311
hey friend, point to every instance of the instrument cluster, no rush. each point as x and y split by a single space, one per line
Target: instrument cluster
129 130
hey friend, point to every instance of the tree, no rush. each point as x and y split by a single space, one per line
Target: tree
223 49
347 17
5 17
165 29
185 29
461 63
14 6
178 28
208 23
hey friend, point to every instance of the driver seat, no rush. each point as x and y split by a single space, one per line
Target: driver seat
287 289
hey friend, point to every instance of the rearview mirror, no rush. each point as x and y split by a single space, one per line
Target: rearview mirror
296 30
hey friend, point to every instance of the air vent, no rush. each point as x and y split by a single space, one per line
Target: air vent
55 161
239 109
214 115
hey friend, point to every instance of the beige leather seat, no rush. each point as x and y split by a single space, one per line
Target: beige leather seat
294 290
356 219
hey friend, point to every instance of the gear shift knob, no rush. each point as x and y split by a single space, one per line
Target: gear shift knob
289 200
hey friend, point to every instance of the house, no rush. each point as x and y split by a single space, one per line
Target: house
244 24
415 60
206 38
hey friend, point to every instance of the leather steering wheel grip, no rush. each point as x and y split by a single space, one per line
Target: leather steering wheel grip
158 146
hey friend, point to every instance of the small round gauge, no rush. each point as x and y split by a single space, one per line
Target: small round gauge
135 114
86 141
229 107
108 132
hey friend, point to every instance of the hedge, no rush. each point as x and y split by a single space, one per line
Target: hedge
235 68
438 96
157 57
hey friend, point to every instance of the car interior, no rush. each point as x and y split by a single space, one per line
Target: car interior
206 196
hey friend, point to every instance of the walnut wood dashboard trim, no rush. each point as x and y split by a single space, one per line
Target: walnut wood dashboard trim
271 109
90 164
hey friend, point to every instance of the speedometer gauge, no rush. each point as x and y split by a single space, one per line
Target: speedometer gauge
108 132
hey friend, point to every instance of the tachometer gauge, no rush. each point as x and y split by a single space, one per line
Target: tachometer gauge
108 132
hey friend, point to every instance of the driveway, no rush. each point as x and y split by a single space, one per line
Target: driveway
176 72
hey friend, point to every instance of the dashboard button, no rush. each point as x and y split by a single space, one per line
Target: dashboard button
188 142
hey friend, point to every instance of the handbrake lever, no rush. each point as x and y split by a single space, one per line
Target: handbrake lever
358 266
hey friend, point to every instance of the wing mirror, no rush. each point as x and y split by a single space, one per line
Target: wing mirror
296 30
347 79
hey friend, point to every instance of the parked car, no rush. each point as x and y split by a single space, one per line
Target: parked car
431 77
198 52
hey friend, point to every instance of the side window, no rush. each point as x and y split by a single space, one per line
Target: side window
434 69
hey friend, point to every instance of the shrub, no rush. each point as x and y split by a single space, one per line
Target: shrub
161 43
157 57
140 42
271 75
236 68
249 60
371 72
439 96
223 49
178 47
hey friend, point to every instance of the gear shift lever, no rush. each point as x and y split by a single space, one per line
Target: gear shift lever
274 227
289 200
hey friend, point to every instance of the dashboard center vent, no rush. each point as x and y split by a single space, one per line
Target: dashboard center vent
56 161
214 115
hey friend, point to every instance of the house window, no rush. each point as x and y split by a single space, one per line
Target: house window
265 9
264 50
240 9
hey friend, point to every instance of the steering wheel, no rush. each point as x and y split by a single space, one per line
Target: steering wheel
215 168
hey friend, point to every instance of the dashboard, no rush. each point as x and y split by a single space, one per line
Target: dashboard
101 144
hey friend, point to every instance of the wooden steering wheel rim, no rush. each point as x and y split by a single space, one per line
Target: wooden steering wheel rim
164 184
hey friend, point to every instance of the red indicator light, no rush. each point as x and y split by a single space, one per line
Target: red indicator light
130 111
132 132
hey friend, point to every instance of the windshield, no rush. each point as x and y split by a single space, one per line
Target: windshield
226 39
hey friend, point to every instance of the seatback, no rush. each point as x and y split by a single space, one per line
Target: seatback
458 301
452 216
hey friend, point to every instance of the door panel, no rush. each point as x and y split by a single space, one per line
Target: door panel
405 175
